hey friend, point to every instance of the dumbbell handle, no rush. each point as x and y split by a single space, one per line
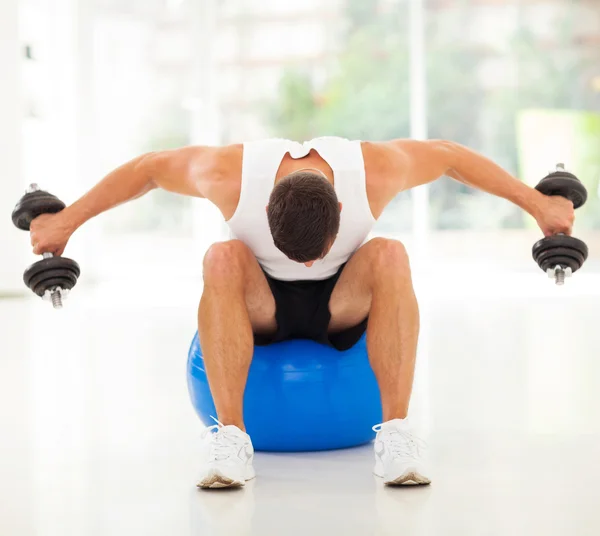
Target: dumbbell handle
558 273
33 187
56 294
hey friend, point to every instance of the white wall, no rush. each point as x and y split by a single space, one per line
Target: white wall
12 242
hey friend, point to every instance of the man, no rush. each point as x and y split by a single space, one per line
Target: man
298 265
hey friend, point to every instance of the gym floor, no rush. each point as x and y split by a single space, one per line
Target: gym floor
101 438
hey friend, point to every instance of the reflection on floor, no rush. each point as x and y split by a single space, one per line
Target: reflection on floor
98 437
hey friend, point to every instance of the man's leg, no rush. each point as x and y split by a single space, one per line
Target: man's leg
377 282
236 301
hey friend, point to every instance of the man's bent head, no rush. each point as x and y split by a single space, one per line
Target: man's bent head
304 216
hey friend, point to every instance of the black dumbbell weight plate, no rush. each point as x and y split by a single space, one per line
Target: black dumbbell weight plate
50 264
34 204
564 184
69 277
559 241
577 256
51 284
565 262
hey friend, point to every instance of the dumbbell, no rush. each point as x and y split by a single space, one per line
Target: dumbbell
561 255
52 277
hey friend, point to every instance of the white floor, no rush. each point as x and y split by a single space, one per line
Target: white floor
97 436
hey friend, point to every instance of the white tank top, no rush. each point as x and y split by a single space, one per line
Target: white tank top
261 160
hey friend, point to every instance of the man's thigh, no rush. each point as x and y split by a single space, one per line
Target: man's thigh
377 263
260 302
259 298
350 301
233 259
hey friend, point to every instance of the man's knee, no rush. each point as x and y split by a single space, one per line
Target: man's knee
225 261
386 254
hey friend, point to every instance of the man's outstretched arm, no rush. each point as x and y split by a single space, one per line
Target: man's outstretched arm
419 162
191 171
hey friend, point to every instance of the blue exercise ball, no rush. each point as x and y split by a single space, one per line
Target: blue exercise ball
300 396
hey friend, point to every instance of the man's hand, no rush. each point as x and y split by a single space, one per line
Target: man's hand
556 215
50 233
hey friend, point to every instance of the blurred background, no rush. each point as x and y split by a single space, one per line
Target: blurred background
89 84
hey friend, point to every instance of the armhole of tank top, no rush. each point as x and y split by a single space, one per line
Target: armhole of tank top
363 175
242 188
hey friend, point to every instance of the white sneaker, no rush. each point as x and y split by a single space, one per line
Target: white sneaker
227 457
399 454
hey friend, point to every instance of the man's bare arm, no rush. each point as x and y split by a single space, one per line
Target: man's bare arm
399 165
425 161
188 171
208 172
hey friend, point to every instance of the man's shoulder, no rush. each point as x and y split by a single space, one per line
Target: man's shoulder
232 151
385 167
228 161
382 157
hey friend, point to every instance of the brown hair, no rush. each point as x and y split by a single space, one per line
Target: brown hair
304 216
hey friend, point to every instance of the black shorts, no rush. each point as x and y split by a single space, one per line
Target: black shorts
302 312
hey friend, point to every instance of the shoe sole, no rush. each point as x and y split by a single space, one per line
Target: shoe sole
216 480
408 478
411 478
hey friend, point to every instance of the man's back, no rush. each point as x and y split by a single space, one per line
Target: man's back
264 164
383 164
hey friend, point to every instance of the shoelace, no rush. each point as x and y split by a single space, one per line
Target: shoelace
403 443
222 444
